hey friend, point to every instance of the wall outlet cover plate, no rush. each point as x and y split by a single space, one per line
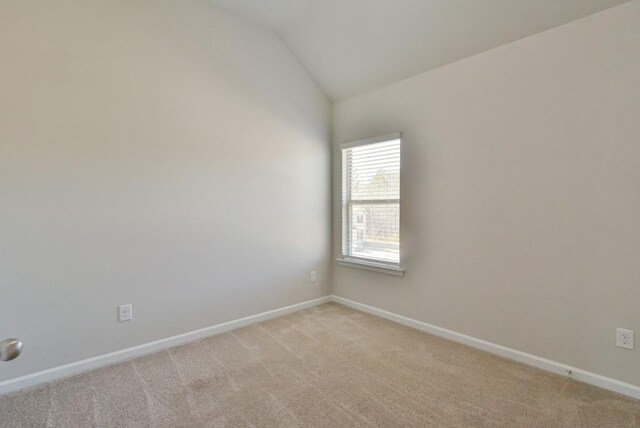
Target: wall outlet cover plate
125 313
624 338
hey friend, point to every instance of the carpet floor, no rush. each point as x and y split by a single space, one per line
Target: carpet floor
327 366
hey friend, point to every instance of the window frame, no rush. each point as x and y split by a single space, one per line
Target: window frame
377 265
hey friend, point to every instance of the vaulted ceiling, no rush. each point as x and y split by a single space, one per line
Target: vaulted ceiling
352 46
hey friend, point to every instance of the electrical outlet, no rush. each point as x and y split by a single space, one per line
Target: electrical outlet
624 338
312 276
125 313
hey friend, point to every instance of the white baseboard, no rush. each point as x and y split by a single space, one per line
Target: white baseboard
523 357
66 370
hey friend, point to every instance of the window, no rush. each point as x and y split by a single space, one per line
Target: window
371 201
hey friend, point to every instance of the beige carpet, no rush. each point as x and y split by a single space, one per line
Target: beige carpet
328 366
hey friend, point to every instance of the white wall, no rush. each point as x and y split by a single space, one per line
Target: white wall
521 193
157 153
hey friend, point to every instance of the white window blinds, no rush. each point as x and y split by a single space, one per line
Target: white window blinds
371 200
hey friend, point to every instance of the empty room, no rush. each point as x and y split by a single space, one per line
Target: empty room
319 213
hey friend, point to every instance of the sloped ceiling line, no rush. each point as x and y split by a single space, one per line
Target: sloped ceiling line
354 46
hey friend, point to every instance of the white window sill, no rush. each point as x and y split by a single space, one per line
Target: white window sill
373 266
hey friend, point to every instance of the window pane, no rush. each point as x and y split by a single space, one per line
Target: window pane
375 171
371 201
375 231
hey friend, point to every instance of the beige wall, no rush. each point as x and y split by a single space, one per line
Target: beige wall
520 193
157 153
